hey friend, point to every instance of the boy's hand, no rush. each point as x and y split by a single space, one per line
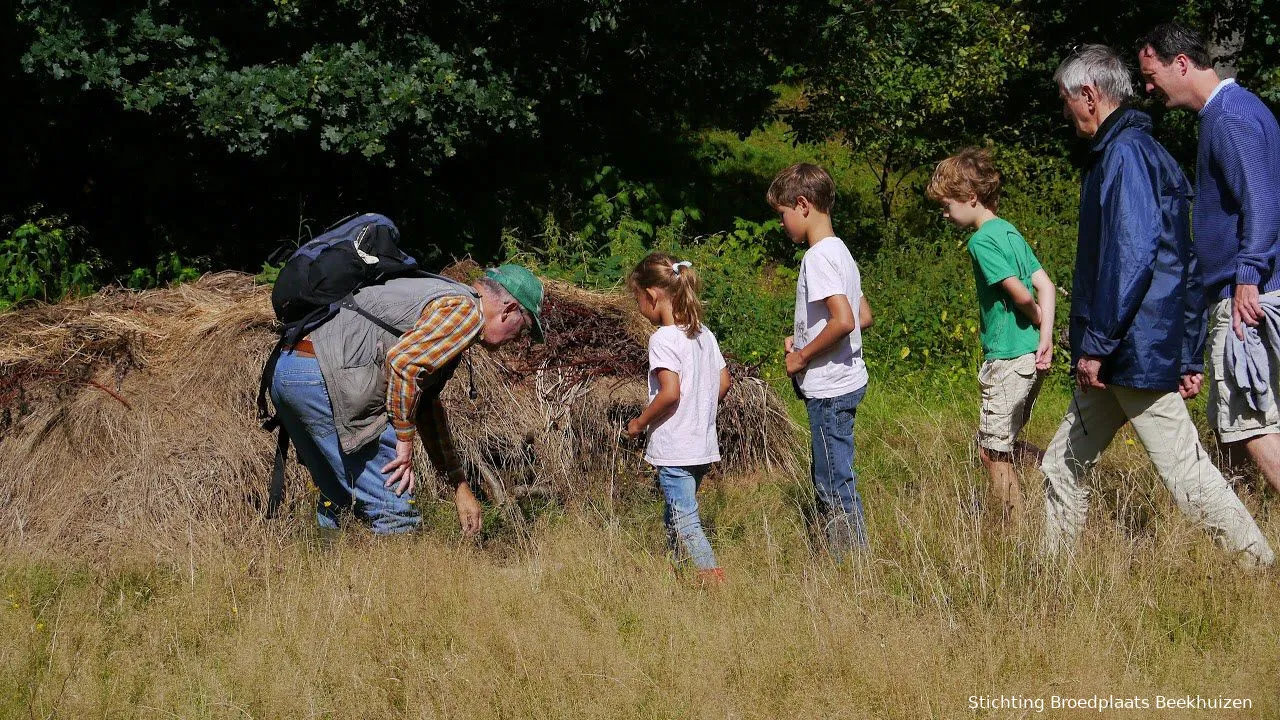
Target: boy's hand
795 362
789 345
634 429
1044 355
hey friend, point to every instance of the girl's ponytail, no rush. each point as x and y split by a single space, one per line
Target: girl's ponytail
679 281
685 305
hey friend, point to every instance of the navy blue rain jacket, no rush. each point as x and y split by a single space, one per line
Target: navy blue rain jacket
1136 298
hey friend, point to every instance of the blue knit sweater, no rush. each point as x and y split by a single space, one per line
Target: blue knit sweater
1237 208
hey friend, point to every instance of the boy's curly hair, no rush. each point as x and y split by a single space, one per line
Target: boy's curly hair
802 179
968 172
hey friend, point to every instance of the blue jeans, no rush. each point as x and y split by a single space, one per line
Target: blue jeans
834 480
685 537
346 481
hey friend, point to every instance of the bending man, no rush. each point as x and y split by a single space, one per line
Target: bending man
352 395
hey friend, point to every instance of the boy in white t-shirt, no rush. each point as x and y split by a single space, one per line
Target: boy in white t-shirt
824 355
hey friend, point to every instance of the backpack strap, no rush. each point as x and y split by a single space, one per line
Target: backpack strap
275 491
271 421
265 416
349 302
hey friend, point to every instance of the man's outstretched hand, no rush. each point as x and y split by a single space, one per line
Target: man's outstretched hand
469 516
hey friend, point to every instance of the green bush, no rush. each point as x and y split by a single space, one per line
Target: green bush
43 259
922 296
170 269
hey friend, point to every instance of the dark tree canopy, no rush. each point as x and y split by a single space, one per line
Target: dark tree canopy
263 111
218 129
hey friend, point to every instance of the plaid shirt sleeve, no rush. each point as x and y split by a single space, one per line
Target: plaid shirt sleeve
446 327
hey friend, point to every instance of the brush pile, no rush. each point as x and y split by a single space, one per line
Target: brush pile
128 421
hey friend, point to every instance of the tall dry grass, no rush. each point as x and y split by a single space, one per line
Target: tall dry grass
583 617
128 419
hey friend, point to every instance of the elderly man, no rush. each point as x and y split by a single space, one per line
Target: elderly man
1236 222
1135 315
352 395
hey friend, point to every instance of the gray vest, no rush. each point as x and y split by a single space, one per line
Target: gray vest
352 353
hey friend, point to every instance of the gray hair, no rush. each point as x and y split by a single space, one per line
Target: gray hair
1099 66
494 289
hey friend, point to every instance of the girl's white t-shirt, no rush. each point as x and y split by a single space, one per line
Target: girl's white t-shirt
688 435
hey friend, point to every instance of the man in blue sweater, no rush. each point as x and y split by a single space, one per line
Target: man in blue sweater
1236 223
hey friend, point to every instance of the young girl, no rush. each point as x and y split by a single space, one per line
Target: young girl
687 380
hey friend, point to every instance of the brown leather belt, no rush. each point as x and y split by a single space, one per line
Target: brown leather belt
304 348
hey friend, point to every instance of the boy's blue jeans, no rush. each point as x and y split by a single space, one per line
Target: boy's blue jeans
834 480
345 481
685 537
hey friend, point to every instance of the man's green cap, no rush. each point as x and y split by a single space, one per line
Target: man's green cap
526 288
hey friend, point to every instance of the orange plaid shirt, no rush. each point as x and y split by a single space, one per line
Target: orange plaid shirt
446 327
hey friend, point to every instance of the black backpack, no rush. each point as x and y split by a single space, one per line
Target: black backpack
316 282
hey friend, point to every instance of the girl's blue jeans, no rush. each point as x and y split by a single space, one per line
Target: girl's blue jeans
685 536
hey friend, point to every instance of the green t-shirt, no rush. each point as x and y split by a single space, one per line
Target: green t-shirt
999 251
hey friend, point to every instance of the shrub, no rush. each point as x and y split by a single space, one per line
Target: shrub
170 269
43 258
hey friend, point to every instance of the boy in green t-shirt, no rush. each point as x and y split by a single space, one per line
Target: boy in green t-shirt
1017 327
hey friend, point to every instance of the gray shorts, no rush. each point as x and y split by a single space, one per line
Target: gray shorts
1009 390
1229 413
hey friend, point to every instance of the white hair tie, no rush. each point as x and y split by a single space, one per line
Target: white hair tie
675 267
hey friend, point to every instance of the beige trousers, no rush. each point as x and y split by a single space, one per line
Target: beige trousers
1166 431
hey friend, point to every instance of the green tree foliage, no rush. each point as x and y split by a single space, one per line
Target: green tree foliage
584 132
403 82
394 94
233 126
905 81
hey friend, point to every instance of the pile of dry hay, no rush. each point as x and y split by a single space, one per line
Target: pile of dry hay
128 422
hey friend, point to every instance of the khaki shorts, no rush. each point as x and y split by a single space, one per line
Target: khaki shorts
1229 413
1009 390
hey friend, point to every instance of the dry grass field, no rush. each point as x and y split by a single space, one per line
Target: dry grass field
582 616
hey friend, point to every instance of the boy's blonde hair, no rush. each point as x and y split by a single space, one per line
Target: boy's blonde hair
968 172
802 179
681 284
